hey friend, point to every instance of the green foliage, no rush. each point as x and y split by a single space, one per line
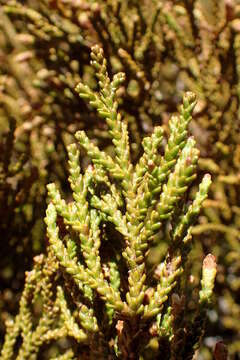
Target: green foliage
95 286
165 48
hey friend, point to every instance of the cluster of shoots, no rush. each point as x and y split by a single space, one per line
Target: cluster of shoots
95 286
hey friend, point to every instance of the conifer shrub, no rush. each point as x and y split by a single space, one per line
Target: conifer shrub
94 294
165 48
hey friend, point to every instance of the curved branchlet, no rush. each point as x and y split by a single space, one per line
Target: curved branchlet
107 106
